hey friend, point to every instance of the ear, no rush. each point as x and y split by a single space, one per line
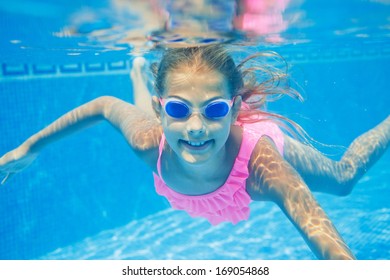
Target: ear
156 107
236 108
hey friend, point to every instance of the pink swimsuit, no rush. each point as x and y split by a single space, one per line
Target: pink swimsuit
230 202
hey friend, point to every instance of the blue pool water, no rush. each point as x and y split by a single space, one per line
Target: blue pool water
89 197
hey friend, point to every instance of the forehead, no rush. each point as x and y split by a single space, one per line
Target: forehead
191 85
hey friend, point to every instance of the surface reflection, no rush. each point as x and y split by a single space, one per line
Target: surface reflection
142 25
261 18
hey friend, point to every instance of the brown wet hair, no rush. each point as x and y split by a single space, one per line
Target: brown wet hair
259 78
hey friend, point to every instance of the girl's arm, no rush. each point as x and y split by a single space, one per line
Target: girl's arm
338 177
272 178
140 130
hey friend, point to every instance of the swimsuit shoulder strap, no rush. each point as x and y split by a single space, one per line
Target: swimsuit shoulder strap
160 149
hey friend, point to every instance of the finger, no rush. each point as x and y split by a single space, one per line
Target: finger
139 62
9 175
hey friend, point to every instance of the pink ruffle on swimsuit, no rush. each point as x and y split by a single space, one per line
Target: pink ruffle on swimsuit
230 202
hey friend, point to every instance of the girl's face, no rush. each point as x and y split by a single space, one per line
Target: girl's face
196 138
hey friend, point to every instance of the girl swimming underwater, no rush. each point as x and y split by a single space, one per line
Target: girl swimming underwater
213 151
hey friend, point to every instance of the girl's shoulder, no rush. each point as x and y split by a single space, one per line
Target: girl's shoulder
141 130
146 135
262 146
145 140
265 166
253 132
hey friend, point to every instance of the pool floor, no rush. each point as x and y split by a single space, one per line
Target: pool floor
362 218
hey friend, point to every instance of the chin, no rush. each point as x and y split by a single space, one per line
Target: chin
195 159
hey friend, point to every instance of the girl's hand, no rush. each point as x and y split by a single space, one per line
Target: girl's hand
15 161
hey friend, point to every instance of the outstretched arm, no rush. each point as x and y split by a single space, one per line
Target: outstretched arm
140 130
272 178
338 177
75 120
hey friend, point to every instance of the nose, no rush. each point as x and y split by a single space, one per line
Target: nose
195 125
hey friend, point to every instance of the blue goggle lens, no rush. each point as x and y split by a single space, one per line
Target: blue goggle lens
177 109
216 110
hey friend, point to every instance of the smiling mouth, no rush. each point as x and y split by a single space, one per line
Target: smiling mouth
196 145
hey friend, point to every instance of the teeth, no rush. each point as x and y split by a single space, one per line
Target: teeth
197 144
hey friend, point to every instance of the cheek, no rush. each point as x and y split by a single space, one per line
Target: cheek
221 130
172 130
173 126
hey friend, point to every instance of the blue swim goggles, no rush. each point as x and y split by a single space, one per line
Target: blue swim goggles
214 110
